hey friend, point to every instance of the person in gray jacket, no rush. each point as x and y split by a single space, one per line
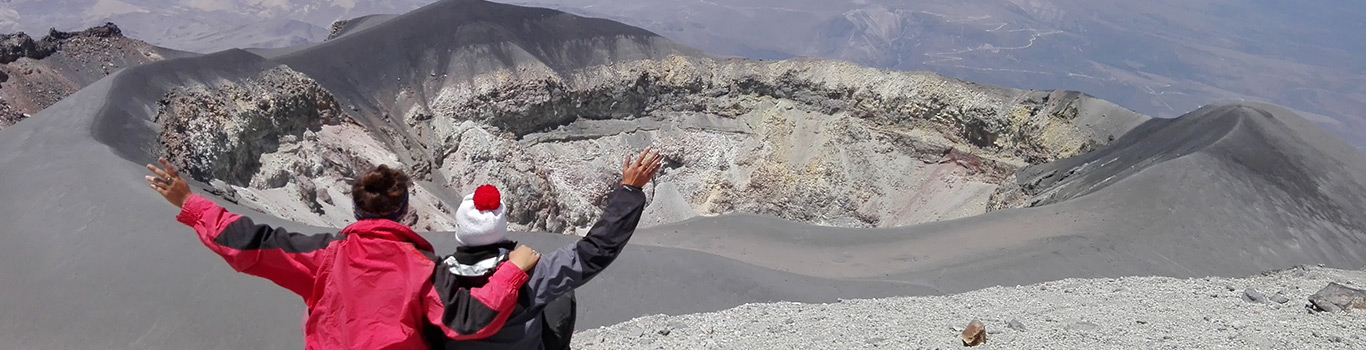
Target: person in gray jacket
482 246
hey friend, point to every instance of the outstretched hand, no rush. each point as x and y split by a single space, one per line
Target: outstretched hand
169 183
524 257
642 170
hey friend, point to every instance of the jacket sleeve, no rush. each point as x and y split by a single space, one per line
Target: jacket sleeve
289 259
571 266
464 313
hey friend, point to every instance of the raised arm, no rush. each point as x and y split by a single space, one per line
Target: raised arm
287 258
571 266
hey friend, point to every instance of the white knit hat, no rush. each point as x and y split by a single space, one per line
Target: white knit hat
481 218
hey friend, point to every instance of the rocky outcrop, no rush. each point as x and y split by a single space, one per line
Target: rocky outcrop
34 74
812 141
20 45
336 28
545 105
280 143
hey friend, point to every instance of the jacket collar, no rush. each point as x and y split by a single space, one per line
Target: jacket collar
389 230
478 261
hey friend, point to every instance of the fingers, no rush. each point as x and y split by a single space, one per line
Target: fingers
657 159
640 160
158 185
157 171
655 164
170 170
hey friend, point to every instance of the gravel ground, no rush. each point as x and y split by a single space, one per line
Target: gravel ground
1118 313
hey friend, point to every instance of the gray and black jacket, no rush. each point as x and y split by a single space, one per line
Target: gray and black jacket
555 274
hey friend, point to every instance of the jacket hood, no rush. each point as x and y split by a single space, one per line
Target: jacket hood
479 260
387 230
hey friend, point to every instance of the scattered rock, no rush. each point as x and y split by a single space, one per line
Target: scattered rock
1083 326
974 334
1252 295
1016 325
1336 297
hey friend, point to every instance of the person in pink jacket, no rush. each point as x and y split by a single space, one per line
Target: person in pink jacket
374 285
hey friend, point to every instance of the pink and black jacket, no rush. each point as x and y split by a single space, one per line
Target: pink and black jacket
556 274
374 285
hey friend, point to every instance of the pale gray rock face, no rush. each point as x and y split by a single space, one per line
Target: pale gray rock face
813 141
549 118
279 143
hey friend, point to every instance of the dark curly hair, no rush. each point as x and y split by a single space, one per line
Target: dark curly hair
381 193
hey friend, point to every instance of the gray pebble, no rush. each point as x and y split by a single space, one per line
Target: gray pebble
1016 325
1083 327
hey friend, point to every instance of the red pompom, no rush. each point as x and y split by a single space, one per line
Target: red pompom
486 198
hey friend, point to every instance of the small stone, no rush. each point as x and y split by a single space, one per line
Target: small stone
1083 327
1252 295
665 331
1016 325
1336 297
974 334
1280 299
1142 322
